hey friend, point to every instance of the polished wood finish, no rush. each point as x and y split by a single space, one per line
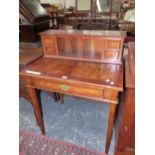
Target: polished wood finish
97 46
97 81
125 137
93 85
23 91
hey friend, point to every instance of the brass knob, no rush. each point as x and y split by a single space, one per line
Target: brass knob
64 87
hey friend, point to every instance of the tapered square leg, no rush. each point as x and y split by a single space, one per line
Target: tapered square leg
111 118
37 109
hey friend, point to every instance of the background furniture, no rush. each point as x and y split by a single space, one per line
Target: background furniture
127 22
33 19
125 137
52 11
82 22
94 15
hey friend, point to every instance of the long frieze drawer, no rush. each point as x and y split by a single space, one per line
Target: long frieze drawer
68 88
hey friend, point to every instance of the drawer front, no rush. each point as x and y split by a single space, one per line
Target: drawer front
111 55
68 88
49 41
50 50
114 44
49 45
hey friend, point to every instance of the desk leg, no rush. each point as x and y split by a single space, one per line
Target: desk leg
111 117
36 106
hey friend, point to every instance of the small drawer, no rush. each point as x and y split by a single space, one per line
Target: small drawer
115 44
50 50
112 55
49 41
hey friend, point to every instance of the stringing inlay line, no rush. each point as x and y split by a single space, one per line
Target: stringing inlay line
33 72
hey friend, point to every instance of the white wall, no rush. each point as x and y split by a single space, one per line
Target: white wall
67 3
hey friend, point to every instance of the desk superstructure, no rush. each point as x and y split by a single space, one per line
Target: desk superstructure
70 66
97 46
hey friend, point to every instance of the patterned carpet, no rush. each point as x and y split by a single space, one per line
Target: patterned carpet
78 121
35 144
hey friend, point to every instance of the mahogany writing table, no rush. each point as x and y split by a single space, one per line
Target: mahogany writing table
91 80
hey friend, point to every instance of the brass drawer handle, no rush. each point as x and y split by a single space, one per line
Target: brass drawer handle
64 87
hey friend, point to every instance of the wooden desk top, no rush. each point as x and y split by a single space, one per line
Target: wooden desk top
85 32
93 74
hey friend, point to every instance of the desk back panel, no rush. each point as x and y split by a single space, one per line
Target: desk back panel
100 48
